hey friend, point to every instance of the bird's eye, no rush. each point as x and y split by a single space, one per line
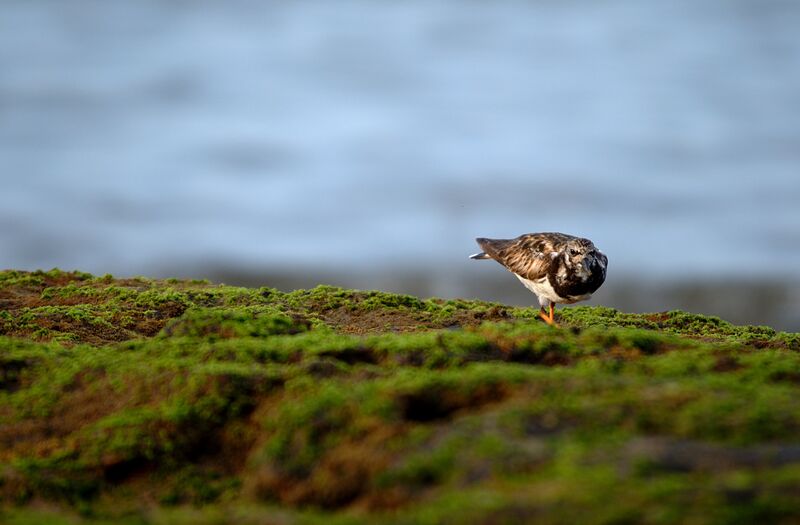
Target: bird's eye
573 252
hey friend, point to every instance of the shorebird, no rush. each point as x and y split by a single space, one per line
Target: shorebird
557 267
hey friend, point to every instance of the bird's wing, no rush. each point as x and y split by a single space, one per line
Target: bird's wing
528 256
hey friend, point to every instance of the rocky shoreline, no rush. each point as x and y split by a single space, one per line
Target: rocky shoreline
172 401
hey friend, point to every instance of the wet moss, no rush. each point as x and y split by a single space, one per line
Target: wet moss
301 407
231 322
682 323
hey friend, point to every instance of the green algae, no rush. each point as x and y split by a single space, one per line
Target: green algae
682 323
219 322
330 405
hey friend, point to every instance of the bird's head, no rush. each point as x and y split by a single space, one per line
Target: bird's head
582 256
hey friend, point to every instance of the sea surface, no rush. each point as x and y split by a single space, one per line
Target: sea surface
369 138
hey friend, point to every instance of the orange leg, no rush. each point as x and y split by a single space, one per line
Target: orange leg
551 318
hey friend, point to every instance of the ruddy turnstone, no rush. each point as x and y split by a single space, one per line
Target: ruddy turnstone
558 268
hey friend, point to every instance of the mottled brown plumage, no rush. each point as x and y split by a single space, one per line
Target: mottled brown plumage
557 267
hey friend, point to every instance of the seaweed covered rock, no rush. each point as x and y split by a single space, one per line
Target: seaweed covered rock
167 401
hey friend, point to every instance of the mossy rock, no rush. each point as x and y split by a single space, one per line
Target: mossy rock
221 404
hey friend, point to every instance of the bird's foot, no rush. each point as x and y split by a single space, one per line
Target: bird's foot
549 319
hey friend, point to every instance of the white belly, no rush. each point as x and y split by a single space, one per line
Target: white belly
544 291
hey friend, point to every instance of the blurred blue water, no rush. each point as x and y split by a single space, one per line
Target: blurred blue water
138 136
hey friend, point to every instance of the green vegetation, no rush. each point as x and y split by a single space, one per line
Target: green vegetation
168 402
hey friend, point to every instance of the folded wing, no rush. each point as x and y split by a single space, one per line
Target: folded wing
528 256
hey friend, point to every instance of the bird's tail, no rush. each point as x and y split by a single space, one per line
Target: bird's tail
487 246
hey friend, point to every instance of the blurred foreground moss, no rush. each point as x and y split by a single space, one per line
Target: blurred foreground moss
145 401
